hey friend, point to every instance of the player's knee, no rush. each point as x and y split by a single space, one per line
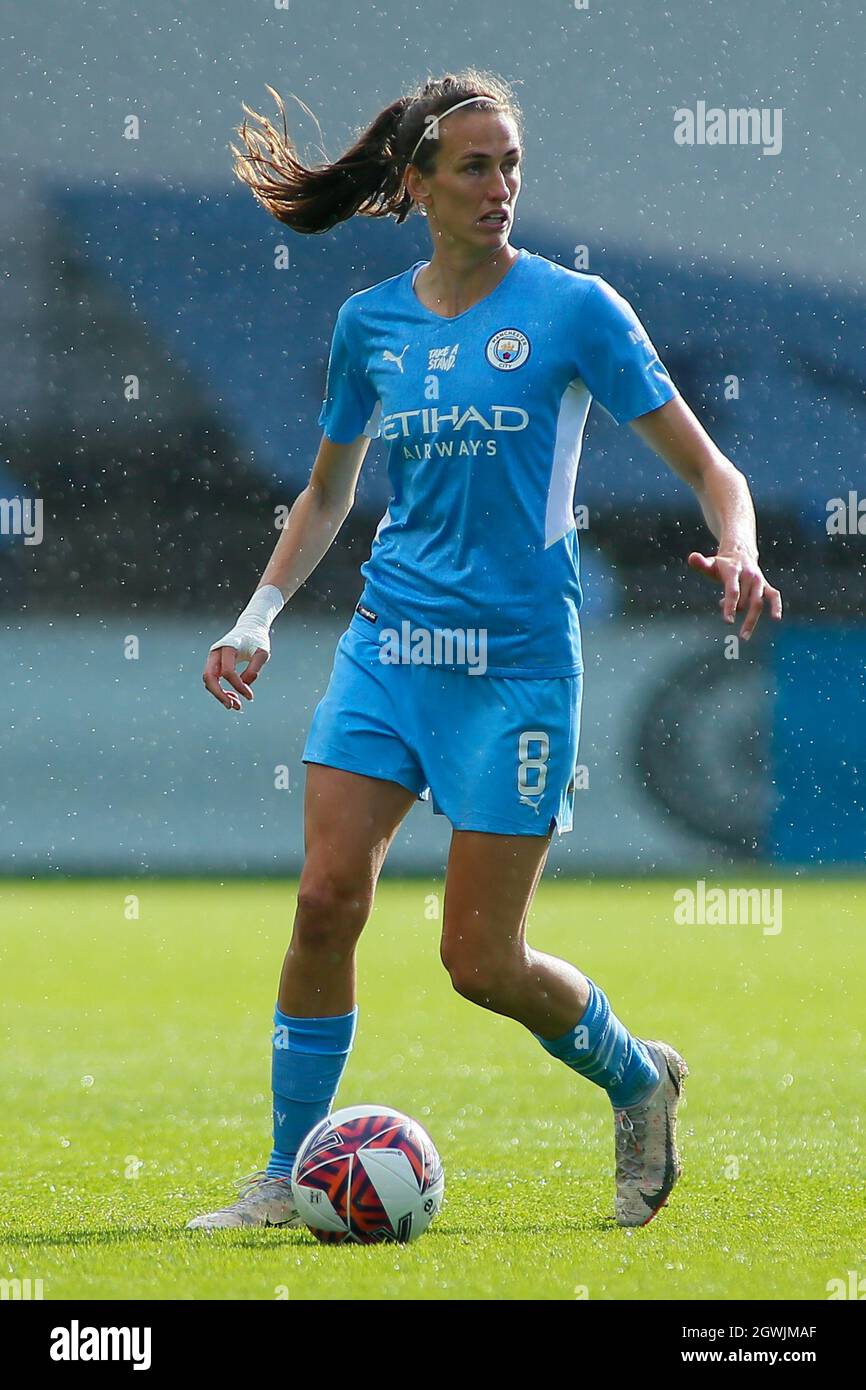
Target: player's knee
479 978
331 912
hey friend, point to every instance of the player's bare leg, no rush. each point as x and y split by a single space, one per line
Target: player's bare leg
349 823
490 884
489 887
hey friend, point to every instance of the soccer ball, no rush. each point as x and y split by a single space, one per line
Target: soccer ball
367 1174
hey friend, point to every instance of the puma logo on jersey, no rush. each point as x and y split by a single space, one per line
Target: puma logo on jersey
442 359
527 801
389 356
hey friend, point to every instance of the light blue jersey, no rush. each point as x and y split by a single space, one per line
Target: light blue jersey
484 416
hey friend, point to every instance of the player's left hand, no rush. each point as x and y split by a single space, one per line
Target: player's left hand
744 584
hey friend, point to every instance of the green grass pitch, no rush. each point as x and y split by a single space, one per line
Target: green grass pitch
135 1089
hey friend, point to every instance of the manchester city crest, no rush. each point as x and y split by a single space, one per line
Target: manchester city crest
507 349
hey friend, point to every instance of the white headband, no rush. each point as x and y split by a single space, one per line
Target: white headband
429 123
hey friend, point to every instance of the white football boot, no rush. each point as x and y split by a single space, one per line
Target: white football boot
263 1201
647 1163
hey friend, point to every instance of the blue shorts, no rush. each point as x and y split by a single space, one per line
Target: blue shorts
493 753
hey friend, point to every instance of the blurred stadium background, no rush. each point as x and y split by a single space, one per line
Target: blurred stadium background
142 257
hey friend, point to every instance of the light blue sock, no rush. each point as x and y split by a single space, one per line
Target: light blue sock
308 1056
604 1051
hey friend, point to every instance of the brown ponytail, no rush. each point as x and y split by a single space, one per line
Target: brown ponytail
369 178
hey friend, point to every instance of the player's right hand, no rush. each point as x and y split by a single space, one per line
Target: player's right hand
221 665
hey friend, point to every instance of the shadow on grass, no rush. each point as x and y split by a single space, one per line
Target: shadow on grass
274 1238
160 1235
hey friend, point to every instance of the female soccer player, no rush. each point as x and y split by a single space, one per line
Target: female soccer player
460 674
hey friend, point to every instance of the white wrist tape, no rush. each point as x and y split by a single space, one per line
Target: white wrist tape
252 629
